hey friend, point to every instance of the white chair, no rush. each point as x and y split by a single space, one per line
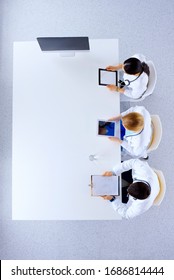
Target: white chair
162 184
150 86
156 134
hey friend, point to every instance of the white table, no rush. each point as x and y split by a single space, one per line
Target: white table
56 104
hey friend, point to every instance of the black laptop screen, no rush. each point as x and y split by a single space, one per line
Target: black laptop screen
63 43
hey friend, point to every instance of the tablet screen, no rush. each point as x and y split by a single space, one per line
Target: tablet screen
107 77
106 128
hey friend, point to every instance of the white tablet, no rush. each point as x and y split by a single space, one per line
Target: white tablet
107 77
107 128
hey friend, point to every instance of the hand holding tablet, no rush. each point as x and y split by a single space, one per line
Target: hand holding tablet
112 87
111 68
115 139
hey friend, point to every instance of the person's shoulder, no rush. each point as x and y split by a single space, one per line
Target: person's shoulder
145 113
144 77
140 109
143 109
142 81
141 57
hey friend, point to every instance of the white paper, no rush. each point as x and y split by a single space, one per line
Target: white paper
104 185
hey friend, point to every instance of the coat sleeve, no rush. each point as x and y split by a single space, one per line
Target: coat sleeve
135 94
130 110
129 212
136 150
124 166
140 56
137 109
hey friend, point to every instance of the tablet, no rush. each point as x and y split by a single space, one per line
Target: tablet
106 128
107 77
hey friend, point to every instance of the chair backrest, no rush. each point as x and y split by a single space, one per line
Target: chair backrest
152 79
156 133
162 184
150 86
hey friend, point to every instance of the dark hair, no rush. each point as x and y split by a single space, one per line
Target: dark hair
139 190
134 65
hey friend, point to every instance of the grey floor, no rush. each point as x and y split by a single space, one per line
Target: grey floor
142 26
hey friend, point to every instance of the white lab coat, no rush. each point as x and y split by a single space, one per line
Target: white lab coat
136 89
137 144
140 171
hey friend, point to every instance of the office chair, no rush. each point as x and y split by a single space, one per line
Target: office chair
156 134
150 86
162 184
152 80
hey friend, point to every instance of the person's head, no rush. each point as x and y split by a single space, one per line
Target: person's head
139 190
133 121
134 66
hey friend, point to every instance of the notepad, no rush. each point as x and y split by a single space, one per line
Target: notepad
107 77
105 185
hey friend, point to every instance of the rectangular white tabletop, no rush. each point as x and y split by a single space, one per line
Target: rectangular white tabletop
56 104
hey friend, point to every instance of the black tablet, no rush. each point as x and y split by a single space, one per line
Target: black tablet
107 77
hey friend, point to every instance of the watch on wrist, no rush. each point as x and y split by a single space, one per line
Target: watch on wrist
112 199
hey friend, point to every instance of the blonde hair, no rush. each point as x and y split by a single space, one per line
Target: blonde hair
133 121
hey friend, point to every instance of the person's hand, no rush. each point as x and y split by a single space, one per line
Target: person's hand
115 88
112 119
115 68
115 139
107 197
111 68
112 87
108 173
117 118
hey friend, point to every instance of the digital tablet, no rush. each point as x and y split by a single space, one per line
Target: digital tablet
107 77
107 128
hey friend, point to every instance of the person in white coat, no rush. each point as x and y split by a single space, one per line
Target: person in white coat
138 131
135 77
141 192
